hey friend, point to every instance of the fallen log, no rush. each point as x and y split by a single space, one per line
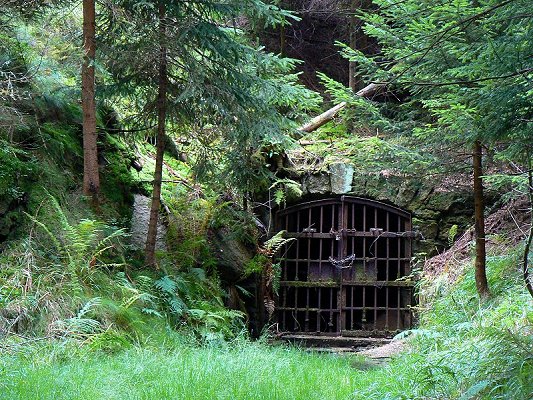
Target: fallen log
321 119
328 115
370 90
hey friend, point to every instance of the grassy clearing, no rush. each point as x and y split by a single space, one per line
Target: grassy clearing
238 371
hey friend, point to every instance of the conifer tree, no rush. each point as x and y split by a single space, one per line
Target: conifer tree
91 176
464 70
208 80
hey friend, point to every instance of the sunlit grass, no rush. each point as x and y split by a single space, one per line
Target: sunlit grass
464 349
242 371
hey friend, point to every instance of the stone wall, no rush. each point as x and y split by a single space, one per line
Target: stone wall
435 207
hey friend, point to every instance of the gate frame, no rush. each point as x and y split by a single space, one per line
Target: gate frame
342 203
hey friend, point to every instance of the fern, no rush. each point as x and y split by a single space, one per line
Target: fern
79 326
276 242
286 189
96 301
169 295
166 285
80 247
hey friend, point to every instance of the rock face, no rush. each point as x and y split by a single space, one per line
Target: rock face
139 224
316 184
337 180
434 209
232 255
341 177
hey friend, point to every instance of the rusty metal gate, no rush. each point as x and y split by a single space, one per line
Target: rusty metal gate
345 274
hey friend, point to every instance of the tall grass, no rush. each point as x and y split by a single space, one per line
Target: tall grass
466 349
463 349
241 370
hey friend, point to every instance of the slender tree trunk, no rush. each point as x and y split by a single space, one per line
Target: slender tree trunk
91 177
282 40
527 249
352 81
479 210
358 40
160 146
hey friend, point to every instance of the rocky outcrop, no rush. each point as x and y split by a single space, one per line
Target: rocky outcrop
139 224
231 254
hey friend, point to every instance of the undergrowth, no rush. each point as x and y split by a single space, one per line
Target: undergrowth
78 320
70 279
464 348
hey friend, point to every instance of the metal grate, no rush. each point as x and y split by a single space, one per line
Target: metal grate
343 274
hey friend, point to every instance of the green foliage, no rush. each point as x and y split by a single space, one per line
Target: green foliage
63 143
475 349
263 260
63 282
171 368
256 265
286 189
116 181
193 301
82 248
46 278
276 242
461 71
79 326
187 236
452 233
463 349
228 97
360 114
18 168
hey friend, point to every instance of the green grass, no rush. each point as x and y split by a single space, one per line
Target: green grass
238 371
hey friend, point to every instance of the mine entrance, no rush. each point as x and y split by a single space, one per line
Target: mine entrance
345 274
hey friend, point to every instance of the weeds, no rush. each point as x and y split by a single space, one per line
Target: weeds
469 349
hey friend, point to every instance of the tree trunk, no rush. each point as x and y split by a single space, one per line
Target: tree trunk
282 40
358 40
370 90
321 119
328 115
352 81
479 210
160 146
91 177
529 240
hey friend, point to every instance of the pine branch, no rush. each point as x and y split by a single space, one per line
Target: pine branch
436 84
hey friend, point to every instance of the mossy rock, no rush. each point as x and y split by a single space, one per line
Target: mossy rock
232 256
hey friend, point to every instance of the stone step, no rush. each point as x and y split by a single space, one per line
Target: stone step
335 342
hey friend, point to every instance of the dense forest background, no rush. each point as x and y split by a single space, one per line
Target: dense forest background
144 146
